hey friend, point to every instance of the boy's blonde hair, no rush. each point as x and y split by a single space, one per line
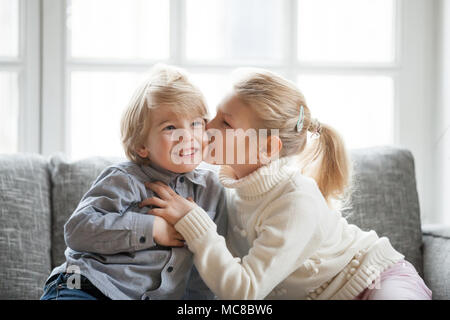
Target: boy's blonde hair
168 87
276 103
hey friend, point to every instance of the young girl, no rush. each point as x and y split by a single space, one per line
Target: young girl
287 238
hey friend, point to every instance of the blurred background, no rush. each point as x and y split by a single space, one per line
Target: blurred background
377 70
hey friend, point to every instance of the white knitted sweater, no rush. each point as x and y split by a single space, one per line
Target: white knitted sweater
283 241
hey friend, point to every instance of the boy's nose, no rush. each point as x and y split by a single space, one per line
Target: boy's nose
188 134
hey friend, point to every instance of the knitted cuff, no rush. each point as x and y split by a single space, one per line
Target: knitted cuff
195 224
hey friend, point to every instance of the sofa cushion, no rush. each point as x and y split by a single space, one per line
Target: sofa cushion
385 199
70 181
24 226
436 260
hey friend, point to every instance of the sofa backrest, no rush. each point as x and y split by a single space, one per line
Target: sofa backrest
70 181
24 226
385 199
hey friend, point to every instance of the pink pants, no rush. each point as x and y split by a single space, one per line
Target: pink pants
399 282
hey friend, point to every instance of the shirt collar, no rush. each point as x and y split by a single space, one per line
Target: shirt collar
157 173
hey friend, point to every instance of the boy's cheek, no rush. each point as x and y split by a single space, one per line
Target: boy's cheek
204 141
162 147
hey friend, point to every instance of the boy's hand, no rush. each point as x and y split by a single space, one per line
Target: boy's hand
171 206
165 234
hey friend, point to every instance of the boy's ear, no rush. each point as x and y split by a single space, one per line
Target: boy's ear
142 152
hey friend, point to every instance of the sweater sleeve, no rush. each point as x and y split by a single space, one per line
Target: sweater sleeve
288 234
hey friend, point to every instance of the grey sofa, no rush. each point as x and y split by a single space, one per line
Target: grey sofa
38 194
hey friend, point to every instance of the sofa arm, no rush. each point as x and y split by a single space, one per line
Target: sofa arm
436 260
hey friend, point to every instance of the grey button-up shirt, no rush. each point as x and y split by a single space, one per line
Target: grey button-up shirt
109 238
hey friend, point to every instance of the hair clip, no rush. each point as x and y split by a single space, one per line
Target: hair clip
300 120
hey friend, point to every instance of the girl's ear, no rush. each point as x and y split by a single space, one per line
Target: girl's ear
274 146
271 150
142 152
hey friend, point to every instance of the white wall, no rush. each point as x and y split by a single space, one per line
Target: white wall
441 130
417 96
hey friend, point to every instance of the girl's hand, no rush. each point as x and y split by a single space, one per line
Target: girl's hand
165 234
171 206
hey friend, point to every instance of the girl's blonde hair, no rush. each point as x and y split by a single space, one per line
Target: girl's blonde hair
168 87
277 102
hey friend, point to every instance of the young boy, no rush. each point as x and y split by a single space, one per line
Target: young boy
117 250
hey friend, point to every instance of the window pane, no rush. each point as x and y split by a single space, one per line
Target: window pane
9 28
346 30
96 105
119 28
214 87
9 112
359 107
234 29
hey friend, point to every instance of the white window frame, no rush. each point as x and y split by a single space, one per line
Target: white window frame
413 83
27 66
57 66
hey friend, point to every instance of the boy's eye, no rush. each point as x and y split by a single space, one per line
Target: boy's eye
226 123
169 128
197 123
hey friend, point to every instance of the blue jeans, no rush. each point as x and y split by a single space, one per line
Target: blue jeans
56 289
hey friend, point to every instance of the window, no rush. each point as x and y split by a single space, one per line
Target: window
118 29
19 76
9 75
108 51
236 30
129 31
346 31
360 107
97 99
356 40
68 67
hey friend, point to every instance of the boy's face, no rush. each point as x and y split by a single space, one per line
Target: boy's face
174 141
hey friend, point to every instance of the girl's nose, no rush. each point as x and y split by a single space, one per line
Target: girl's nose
210 124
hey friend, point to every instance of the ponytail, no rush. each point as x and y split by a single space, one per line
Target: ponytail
325 159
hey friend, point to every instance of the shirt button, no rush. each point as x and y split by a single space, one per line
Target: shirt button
170 269
142 239
182 179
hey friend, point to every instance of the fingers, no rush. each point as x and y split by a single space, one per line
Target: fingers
165 187
178 236
157 212
154 201
162 190
177 243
